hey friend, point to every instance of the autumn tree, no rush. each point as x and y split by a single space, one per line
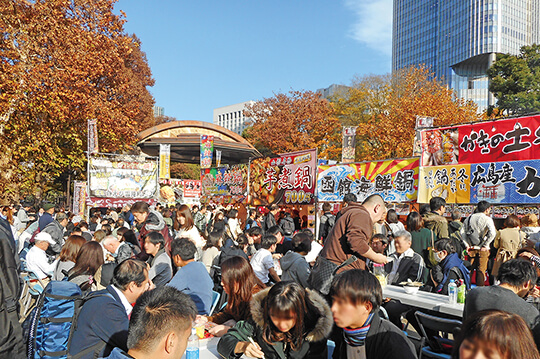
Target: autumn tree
385 108
295 121
515 81
186 171
62 63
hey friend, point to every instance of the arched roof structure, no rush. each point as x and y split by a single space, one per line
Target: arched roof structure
184 138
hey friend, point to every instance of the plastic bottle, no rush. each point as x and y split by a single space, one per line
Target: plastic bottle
452 292
192 350
462 292
380 274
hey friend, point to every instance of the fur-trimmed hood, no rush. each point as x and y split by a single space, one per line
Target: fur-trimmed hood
322 328
154 221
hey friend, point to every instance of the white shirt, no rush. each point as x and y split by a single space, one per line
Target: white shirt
261 262
36 261
192 234
314 252
123 300
395 265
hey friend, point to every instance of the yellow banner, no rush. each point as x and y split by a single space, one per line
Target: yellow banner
164 161
450 182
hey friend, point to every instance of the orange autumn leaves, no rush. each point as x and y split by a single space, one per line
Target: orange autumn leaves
62 63
384 109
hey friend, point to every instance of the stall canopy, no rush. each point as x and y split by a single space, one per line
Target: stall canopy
184 138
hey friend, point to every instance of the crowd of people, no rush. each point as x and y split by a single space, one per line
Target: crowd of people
149 272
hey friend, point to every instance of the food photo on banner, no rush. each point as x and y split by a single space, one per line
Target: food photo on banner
230 181
287 179
395 180
120 179
176 190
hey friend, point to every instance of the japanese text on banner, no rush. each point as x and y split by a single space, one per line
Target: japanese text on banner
394 180
288 179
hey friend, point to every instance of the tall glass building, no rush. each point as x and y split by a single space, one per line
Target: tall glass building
459 39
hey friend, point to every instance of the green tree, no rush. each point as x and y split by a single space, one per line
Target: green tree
515 81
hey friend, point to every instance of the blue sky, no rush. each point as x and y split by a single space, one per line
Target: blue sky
208 54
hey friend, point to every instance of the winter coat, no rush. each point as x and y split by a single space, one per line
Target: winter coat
295 268
437 223
350 236
154 222
314 343
56 230
384 340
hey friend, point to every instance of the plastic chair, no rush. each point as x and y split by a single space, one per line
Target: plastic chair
438 346
215 301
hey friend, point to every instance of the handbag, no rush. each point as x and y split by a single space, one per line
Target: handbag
323 272
432 256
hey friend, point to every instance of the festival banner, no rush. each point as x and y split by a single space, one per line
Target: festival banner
348 148
207 149
394 180
225 181
79 198
192 188
449 182
506 182
164 161
218 158
525 210
173 190
511 182
122 176
421 122
288 179
512 139
501 212
92 137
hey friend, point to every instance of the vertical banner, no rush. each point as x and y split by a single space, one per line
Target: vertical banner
218 158
207 147
421 122
79 198
164 161
93 146
348 145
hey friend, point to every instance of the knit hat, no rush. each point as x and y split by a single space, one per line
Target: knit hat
47 206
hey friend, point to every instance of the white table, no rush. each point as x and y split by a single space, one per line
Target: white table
208 349
426 300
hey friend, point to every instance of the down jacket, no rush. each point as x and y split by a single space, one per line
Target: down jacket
314 343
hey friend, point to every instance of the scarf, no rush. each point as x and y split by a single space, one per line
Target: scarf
357 337
451 261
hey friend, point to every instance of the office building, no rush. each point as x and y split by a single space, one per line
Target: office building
332 90
159 111
459 39
232 117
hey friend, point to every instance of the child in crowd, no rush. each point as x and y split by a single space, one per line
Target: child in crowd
287 322
356 297
263 263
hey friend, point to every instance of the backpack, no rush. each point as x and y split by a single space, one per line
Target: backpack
54 320
328 221
287 225
474 238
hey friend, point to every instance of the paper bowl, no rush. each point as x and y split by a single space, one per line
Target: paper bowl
410 289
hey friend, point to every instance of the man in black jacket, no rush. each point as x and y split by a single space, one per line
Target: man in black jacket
11 338
356 297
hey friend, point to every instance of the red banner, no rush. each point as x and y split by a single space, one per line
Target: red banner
513 139
192 188
116 202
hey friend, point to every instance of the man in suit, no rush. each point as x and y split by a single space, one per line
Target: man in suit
104 319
